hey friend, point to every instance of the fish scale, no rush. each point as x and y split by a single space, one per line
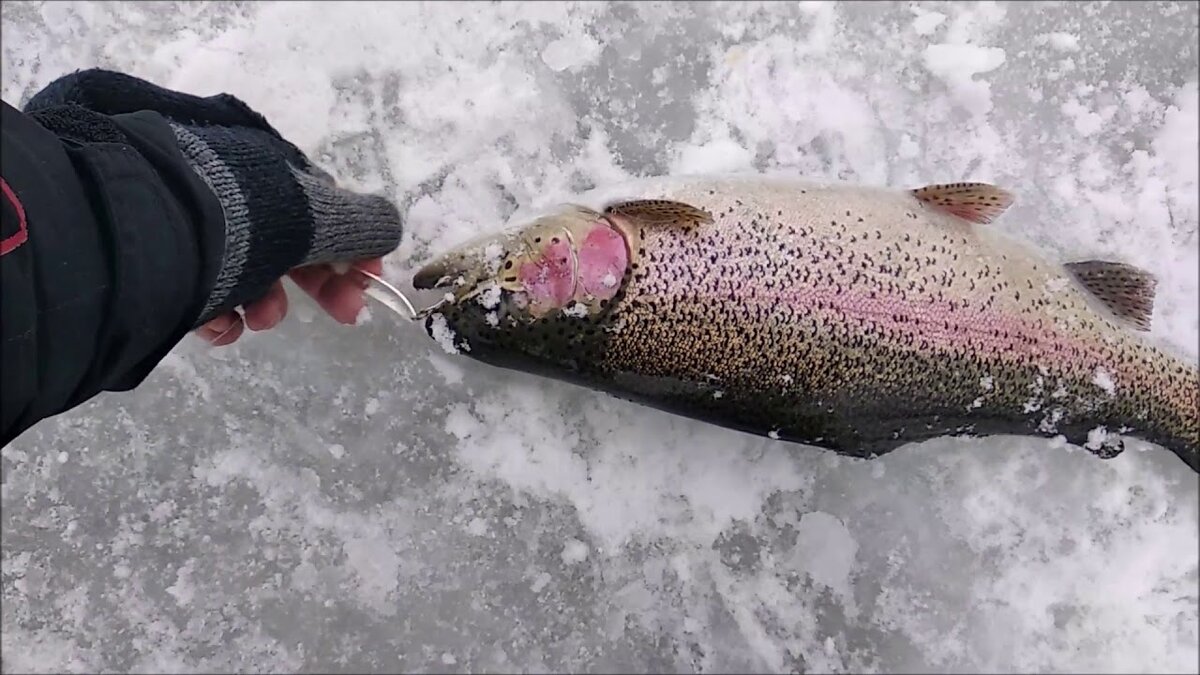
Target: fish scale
853 318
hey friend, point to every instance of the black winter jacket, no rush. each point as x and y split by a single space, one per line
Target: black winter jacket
107 252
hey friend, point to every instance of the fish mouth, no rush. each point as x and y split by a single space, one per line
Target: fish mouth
464 265
438 274
570 258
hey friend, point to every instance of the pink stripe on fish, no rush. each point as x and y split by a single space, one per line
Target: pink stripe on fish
935 323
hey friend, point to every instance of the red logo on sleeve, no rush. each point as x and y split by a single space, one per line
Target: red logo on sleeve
11 241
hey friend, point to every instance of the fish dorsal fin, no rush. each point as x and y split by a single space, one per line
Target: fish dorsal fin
974 202
660 212
1125 290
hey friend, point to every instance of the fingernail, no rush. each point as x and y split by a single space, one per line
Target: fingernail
214 341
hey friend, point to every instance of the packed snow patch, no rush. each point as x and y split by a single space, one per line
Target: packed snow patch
958 64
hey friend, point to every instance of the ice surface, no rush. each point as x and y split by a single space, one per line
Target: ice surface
331 498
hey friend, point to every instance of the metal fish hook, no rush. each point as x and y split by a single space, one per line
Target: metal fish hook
388 295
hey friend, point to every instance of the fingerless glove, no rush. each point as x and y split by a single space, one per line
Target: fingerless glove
281 211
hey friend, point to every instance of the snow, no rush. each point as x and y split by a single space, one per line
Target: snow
1101 378
479 519
574 552
714 157
926 21
477 526
576 309
1065 42
825 549
363 316
956 65
1096 438
540 582
443 334
493 255
490 295
570 54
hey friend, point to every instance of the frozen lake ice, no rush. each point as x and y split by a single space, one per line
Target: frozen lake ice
350 499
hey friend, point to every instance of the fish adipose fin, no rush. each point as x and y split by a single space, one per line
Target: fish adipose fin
1124 289
974 202
659 212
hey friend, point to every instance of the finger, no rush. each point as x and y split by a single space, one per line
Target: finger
232 329
217 325
342 297
230 336
310 278
269 310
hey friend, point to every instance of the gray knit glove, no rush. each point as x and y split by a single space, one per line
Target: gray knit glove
281 211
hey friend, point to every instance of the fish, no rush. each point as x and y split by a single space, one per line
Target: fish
853 318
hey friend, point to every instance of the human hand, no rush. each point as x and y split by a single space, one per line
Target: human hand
283 214
340 295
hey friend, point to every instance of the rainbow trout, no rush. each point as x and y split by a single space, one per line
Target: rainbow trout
855 319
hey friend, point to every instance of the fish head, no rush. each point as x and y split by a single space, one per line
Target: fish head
525 296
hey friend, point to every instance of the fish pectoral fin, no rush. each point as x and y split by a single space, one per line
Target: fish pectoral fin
659 212
974 202
1125 290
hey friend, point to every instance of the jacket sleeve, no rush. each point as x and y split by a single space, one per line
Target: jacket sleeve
110 244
